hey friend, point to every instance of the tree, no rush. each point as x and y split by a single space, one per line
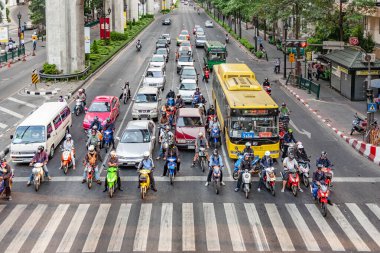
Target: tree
37 12
1 12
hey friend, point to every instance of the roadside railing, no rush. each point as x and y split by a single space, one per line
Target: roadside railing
310 86
64 76
12 55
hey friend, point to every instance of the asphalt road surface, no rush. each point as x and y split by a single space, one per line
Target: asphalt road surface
65 216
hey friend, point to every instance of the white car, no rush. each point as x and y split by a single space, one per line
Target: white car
158 61
200 40
154 77
137 138
186 89
209 24
199 31
184 60
185 50
146 103
167 37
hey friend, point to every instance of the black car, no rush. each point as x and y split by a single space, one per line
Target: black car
166 21
161 43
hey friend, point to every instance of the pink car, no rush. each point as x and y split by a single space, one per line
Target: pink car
104 107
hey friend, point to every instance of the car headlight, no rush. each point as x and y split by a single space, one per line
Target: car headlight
135 111
154 110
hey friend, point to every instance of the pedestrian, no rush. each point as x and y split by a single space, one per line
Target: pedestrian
310 73
319 71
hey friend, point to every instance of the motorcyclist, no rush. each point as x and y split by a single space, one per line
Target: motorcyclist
113 162
215 160
196 92
147 164
200 141
110 126
126 86
288 138
248 149
277 65
94 140
206 70
318 178
324 160
211 110
284 111
245 164
62 99
301 153
138 43
68 144
164 120
96 122
266 82
6 176
82 97
40 157
289 164
92 158
165 137
170 94
179 103
227 38
266 162
171 151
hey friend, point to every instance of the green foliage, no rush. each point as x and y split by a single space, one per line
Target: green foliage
50 69
259 54
94 47
166 11
367 43
118 36
247 44
37 12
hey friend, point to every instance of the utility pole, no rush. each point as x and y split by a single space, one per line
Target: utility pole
369 91
341 20
284 39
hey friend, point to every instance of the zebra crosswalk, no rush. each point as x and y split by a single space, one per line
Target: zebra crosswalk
197 227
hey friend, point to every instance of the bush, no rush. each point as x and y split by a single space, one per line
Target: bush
165 11
118 36
50 69
259 54
247 44
94 47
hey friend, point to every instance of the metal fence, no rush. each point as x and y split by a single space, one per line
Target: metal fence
310 86
12 55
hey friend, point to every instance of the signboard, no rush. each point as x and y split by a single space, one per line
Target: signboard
291 57
125 19
375 83
35 78
333 45
365 72
309 56
371 107
343 69
4 34
353 41
34 37
247 135
87 41
104 28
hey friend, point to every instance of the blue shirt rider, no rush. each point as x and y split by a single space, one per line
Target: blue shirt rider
266 162
324 160
215 160
96 123
147 164
318 178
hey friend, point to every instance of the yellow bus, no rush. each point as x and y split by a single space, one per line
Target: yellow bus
245 111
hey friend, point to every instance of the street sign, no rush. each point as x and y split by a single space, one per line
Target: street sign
309 56
354 41
333 45
371 107
35 78
291 57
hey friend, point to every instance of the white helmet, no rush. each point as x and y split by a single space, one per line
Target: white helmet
267 153
91 148
68 136
300 146
200 134
113 153
146 154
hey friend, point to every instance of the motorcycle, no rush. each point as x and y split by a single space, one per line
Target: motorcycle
90 170
207 75
66 160
358 124
2 184
293 181
268 90
270 180
329 175
304 168
240 155
144 182
125 95
216 173
227 40
202 160
172 167
138 47
247 182
39 175
322 198
78 106
108 139
215 135
111 180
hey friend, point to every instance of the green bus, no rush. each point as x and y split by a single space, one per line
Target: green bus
215 53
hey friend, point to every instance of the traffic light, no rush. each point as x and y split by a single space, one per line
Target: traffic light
303 44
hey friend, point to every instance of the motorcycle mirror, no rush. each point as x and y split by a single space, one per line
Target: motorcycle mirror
118 138
133 99
11 136
159 99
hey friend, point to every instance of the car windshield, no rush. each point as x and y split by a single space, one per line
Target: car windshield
154 74
166 36
189 122
29 134
146 98
185 44
185 59
157 58
161 51
135 136
188 86
182 37
184 32
161 41
100 107
200 30
188 72
253 127
201 37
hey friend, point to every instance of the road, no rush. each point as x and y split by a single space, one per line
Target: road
189 216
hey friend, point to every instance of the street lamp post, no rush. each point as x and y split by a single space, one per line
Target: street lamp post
19 29
285 36
138 10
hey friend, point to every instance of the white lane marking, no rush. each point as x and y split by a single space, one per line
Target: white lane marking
50 229
364 221
10 220
26 229
165 240
142 230
22 102
348 229
303 229
226 164
119 228
237 59
14 114
237 239
279 228
212 237
325 228
3 126
96 228
2 207
72 230
256 227
373 207
188 235
303 131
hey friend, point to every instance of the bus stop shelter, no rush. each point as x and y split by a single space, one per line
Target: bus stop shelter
349 73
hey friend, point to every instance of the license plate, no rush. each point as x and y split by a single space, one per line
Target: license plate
191 147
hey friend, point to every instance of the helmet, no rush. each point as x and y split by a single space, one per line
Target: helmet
283 104
113 153
167 128
165 145
91 148
319 166
248 144
146 154
267 153
68 136
197 89
300 146
200 134
108 120
323 153
80 91
40 148
290 130
266 78
96 118
216 152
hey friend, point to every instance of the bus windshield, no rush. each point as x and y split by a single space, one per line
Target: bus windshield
253 127
216 56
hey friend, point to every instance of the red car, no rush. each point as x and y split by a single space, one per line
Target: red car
188 124
104 107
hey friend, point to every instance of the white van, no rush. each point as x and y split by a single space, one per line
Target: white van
46 126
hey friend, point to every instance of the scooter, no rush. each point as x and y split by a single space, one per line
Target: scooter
39 175
227 40
215 135
304 168
125 95
293 181
358 124
322 198
2 184
268 89
90 170
202 158
207 75
329 173
216 173
111 180
108 138
78 107
270 180
172 167
247 182
66 160
138 47
144 182
235 174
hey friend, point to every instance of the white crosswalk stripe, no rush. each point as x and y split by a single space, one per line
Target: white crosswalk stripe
66 227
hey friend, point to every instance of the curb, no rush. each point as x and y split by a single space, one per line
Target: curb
41 93
5 151
369 151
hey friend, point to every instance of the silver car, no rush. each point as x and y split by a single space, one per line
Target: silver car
186 89
158 61
209 24
137 138
154 77
146 103
200 40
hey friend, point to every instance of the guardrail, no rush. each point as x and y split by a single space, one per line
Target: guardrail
91 24
11 55
308 85
56 77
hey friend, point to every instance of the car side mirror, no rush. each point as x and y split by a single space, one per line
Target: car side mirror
48 136
11 136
